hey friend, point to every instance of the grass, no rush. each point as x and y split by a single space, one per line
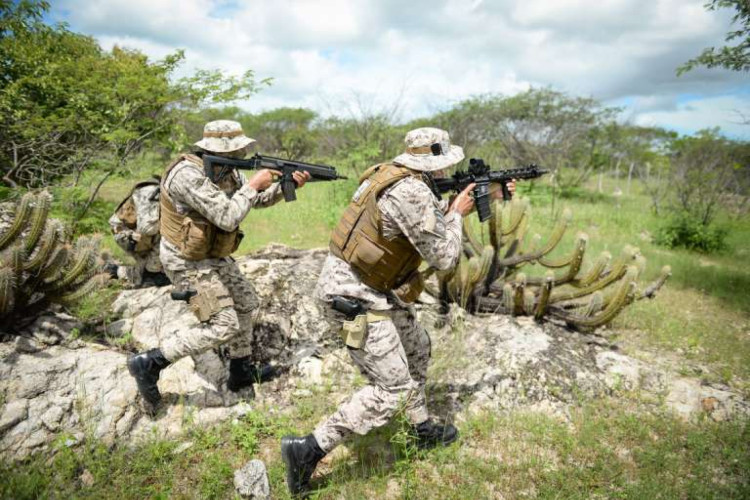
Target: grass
607 450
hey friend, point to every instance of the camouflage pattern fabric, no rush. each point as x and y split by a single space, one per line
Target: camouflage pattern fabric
232 326
410 208
394 360
419 154
147 223
190 189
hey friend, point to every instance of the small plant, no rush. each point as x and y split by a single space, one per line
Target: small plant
38 263
687 232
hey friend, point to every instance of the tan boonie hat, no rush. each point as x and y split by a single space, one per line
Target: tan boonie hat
223 136
429 149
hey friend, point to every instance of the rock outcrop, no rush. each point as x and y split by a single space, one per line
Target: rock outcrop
53 385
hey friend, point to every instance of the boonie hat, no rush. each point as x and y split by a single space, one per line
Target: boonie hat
223 136
429 149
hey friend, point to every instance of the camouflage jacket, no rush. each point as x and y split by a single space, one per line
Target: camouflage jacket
409 208
146 204
225 207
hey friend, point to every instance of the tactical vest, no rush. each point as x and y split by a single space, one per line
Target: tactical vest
381 263
127 214
195 237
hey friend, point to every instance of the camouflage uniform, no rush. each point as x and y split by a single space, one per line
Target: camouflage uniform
188 188
396 353
146 203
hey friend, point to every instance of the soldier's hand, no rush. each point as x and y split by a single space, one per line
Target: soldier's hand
262 179
497 193
464 201
300 178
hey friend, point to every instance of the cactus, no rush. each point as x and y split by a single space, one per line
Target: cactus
38 266
489 278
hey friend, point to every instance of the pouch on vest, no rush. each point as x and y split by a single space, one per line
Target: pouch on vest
209 300
225 243
126 213
143 242
410 289
354 332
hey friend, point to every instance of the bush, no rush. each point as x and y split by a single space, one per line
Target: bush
688 232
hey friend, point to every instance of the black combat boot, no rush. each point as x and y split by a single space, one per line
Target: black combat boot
429 434
243 373
301 455
145 367
111 269
154 279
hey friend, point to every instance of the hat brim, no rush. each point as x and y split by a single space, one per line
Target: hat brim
224 144
430 163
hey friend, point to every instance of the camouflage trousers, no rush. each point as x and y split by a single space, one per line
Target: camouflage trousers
394 360
231 326
148 261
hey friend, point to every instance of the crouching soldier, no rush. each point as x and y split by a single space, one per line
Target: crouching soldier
200 229
135 225
394 221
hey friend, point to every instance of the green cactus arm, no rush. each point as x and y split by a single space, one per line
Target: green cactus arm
508 298
7 290
594 305
493 226
471 237
87 288
624 296
55 264
38 221
516 211
48 243
655 286
544 293
21 217
595 270
83 263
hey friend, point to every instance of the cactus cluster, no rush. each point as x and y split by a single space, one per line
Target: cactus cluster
490 277
39 265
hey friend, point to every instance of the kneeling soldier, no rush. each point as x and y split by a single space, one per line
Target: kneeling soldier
394 221
135 225
200 229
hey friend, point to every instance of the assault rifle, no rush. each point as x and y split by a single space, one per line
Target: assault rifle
482 175
258 161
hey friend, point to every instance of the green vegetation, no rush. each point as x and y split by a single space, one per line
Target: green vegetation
607 450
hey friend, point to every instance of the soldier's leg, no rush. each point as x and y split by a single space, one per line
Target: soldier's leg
222 325
383 362
418 349
245 304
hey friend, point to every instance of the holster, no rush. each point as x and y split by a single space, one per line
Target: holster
209 300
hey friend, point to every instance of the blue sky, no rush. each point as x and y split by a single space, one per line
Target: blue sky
413 58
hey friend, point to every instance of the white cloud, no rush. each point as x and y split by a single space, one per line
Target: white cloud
436 52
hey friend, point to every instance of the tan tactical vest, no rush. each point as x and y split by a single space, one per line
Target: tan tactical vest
194 236
128 216
381 263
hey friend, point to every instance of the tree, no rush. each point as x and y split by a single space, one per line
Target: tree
68 106
733 57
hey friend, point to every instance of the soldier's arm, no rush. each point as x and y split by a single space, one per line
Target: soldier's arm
265 198
122 235
419 215
188 185
147 210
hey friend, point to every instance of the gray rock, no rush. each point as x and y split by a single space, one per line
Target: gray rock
51 384
120 327
251 481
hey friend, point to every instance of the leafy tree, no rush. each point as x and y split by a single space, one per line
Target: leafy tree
286 132
68 106
733 57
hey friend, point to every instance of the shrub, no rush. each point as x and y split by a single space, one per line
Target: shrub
687 232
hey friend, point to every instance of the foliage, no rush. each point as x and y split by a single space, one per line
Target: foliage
39 265
687 232
69 106
732 57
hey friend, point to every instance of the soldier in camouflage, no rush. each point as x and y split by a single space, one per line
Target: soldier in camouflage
199 230
374 264
135 225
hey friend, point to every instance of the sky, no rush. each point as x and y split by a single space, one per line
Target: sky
416 57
